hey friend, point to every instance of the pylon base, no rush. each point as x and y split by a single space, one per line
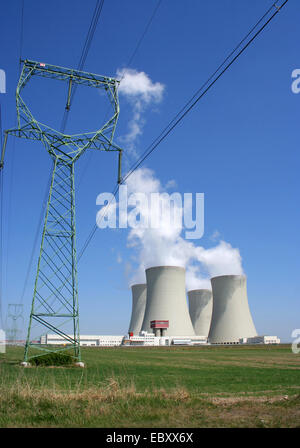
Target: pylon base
25 364
80 364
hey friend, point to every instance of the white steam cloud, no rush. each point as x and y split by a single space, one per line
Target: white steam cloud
140 91
165 245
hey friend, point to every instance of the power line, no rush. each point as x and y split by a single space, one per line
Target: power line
116 189
2 176
131 58
1 137
90 34
1 226
8 238
1 249
93 231
84 54
140 40
213 78
21 35
37 234
143 34
189 105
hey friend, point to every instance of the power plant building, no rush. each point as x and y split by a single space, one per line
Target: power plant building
85 340
231 318
161 317
166 300
200 307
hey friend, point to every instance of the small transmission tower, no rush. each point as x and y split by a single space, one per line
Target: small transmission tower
55 297
14 315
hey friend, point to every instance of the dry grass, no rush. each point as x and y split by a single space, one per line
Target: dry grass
178 387
114 405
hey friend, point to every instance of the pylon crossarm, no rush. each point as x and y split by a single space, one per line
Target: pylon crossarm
110 147
54 142
64 74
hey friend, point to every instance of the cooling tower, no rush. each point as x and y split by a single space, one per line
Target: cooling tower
200 305
138 307
231 317
166 300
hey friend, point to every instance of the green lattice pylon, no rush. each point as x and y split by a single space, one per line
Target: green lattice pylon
55 299
14 315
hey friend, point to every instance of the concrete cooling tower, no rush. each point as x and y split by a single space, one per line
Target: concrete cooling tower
200 305
231 317
138 307
166 300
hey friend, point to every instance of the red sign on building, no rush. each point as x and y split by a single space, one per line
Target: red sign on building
159 324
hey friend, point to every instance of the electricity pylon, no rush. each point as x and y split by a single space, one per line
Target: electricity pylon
14 314
55 296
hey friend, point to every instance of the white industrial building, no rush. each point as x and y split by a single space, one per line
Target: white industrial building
85 340
145 339
149 339
142 339
263 340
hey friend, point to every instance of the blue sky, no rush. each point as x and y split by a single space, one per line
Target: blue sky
239 145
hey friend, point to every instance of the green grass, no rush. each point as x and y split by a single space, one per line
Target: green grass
155 387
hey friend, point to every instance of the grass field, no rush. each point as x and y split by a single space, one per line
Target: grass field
241 386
